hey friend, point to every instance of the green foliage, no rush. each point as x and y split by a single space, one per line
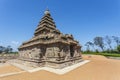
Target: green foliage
7 49
13 53
96 51
118 48
2 49
105 43
98 41
104 54
108 40
117 40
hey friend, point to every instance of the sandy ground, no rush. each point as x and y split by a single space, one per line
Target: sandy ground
6 68
99 68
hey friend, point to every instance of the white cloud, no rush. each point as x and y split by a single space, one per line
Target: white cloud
15 42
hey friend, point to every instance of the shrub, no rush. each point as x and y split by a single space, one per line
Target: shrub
118 48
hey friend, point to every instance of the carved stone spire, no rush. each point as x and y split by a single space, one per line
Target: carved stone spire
46 21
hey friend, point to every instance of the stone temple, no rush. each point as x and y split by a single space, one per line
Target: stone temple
49 47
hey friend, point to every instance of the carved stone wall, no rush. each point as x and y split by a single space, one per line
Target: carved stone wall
49 46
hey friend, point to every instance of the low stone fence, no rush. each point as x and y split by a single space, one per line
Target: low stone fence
6 57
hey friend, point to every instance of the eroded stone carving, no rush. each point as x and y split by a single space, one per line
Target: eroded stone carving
49 46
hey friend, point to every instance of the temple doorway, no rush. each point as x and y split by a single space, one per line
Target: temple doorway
71 50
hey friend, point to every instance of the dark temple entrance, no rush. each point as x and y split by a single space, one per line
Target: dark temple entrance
71 50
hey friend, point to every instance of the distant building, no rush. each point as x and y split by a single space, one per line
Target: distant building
50 47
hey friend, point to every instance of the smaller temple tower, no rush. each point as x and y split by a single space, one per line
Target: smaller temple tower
50 47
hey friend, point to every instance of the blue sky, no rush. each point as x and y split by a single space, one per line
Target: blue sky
85 19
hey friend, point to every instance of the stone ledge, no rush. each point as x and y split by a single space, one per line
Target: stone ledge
53 70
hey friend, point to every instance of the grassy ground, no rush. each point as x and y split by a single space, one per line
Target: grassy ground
104 54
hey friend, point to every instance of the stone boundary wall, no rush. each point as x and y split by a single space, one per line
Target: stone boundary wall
6 57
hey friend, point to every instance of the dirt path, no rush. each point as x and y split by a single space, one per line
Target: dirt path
6 68
99 68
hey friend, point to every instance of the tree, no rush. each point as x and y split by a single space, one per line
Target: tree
88 47
108 41
90 44
98 41
118 48
117 40
8 49
2 49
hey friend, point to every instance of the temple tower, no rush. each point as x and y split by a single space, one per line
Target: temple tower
50 47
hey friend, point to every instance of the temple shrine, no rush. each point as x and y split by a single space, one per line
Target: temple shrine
49 47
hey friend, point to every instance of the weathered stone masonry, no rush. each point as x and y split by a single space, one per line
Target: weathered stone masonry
50 47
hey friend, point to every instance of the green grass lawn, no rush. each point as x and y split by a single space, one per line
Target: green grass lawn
104 54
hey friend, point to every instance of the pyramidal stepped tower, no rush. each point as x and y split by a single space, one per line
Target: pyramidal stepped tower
50 47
